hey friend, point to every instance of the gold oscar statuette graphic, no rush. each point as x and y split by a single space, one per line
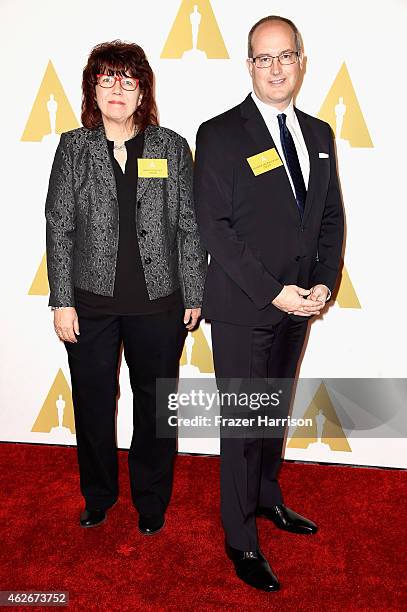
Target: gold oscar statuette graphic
195 33
40 285
56 413
197 356
342 111
326 431
346 296
51 113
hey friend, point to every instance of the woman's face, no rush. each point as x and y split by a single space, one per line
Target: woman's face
115 103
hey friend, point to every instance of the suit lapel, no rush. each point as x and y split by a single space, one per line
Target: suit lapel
101 162
153 149
258 131
313 160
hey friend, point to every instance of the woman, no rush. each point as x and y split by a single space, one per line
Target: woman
125 264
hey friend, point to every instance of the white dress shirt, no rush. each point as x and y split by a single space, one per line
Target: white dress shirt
269 114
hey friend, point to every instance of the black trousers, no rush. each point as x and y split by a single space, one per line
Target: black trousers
152 349
249 465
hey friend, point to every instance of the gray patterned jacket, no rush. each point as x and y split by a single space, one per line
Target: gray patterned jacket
83 219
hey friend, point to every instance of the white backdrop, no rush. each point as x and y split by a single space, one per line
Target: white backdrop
355 50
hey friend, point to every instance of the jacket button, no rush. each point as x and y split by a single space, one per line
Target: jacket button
297 258
147 260
301 228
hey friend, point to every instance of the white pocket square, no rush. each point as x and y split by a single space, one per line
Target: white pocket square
323 155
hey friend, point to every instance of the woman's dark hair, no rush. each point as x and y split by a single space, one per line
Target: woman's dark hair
118 57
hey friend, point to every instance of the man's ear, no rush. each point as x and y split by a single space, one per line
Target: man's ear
249 65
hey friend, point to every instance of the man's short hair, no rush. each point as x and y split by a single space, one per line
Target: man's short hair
297 35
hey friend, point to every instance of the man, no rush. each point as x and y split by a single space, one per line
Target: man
270 215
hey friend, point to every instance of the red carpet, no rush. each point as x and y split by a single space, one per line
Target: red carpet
356 562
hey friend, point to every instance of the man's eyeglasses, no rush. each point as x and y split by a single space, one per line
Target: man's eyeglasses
108 80
285 58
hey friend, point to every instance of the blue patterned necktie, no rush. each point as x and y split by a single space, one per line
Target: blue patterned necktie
291 157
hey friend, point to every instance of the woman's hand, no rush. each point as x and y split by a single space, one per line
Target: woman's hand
66 324
192 315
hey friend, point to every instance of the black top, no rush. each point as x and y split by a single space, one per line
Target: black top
130 291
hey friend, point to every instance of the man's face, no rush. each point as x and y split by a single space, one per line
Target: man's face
274 85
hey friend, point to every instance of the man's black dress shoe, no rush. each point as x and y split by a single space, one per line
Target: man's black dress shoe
150 524
253 569
91 518
288 520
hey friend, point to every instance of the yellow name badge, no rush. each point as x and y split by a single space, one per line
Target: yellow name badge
264 162
152 168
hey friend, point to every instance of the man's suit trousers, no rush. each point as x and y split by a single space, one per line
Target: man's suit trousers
249 465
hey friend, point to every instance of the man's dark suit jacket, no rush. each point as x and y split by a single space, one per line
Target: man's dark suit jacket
251 225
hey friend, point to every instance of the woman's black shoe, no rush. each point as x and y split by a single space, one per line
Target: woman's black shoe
150 524
92 518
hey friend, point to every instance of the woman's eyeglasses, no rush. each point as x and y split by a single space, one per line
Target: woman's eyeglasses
109 80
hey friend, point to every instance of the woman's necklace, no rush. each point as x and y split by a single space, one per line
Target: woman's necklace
123 145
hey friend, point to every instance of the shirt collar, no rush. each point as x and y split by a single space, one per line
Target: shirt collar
271 112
